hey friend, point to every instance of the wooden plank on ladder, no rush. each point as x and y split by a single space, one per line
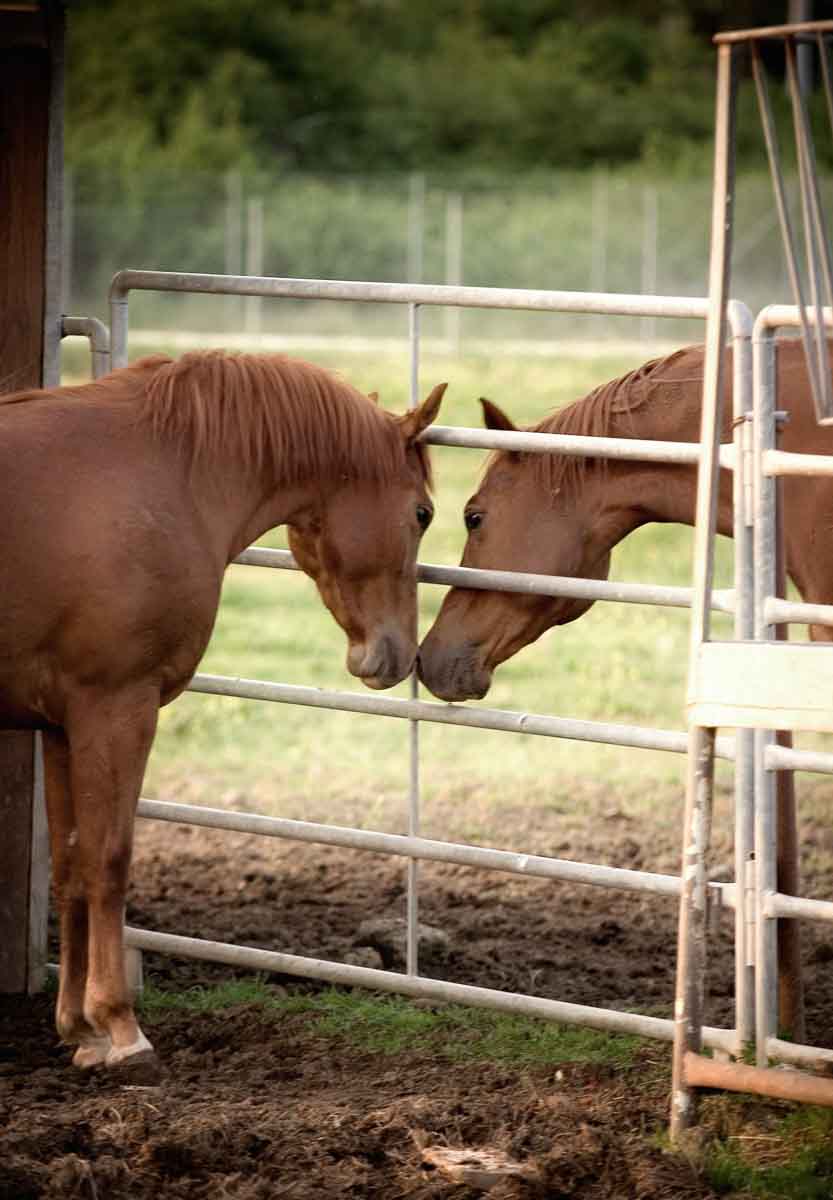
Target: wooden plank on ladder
763 685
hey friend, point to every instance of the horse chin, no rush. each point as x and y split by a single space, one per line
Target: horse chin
378 683
464 681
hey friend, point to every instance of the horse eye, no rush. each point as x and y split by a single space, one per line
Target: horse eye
473 520
424 516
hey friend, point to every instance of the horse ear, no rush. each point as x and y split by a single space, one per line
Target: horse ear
373 397
413 422
496 418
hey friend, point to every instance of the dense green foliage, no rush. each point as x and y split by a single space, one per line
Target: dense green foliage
389 85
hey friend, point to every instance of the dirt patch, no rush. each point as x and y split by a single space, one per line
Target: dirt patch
257 1105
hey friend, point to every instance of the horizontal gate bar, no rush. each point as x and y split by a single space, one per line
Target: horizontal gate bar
411 985
502 720
682 453
426 849
784 758
518 581
368 292
778 612
783 462
777 904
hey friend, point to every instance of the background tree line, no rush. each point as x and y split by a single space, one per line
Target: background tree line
365 86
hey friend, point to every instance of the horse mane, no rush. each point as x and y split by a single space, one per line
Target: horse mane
268 410
595 415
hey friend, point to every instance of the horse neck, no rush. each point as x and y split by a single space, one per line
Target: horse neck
627 495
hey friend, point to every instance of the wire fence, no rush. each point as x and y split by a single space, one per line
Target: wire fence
594 231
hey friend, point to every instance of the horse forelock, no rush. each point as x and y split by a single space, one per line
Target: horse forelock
604 412
294 418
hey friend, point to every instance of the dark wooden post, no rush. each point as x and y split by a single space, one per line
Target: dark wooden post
31 154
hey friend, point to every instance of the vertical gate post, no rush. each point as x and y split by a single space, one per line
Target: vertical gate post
31 104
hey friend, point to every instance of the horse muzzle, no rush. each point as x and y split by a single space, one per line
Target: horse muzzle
381 663
457 674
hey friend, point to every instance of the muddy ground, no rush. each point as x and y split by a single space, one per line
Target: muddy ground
254 1107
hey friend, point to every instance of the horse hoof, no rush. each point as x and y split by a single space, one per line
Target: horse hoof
135 1064
139 1070
91 1053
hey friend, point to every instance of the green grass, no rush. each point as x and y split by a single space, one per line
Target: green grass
791 1159
393 1025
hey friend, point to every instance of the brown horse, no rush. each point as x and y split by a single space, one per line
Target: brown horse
123 502
554 515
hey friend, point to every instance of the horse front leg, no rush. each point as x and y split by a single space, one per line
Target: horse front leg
71 903
109 742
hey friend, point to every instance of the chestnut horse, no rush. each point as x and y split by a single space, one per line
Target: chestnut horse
123 502
554 515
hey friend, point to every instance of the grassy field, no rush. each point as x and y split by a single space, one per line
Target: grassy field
620 663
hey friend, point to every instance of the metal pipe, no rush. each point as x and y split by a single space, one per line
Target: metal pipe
780 612
782 462
780 758
416 849
406 985
744 623
412 884
99 338
818 265
368 292
766 952
779 904
691 937
518 581
783 209
501 720
633 449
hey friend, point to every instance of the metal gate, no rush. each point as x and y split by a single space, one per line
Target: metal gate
412 846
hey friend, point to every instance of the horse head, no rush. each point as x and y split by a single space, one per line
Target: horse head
359 543
513 524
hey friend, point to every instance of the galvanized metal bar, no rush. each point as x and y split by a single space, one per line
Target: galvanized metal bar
119 322
779 904
99 338
518 581
783 758
803 1056
406 985
815 239
782 462
781 612
688 1004
412 924
744 624
824 63
368 292
415 848
783 209
470 716
630 449
766 869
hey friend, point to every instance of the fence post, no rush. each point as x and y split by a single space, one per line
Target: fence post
31 116
416 227
453 262
650 222
254 261
233 239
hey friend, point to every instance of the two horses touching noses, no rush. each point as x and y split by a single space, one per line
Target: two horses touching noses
123 502
149 482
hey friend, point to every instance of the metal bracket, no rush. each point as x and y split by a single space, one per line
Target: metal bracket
750 888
